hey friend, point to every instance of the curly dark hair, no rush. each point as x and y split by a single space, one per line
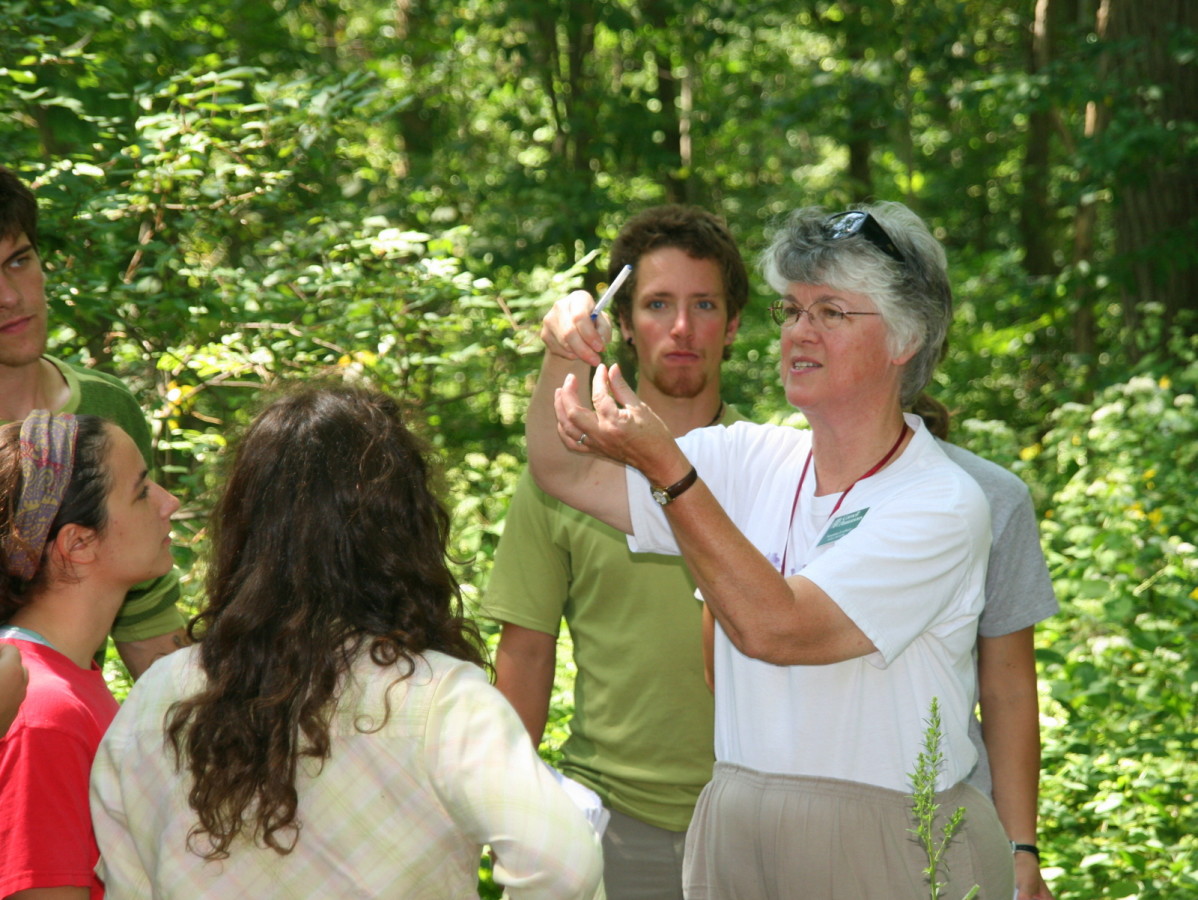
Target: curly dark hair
84 503
327 542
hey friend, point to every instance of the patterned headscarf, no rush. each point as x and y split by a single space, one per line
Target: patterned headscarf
47 461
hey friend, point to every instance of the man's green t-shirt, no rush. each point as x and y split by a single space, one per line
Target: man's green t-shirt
642 732
149 610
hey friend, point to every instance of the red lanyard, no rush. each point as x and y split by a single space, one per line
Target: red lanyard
803 477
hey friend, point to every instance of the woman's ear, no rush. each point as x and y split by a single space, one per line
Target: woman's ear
904 356
75 545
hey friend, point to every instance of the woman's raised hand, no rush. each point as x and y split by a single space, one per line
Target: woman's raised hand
618 426
569 331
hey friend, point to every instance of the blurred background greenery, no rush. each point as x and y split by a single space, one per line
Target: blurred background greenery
392 192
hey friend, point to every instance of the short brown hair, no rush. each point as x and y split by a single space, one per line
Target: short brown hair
18 208
696 231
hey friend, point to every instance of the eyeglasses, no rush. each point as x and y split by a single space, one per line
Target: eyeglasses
858 221
823 314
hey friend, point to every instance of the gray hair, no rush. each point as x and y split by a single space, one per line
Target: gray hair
914 296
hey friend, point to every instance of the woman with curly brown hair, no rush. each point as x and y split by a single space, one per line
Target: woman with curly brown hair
332 732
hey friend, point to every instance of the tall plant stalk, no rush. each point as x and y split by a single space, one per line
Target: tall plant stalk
924 805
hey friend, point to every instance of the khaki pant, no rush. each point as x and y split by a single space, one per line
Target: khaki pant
757 836
641 861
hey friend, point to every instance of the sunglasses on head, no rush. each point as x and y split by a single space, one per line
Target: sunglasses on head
858 221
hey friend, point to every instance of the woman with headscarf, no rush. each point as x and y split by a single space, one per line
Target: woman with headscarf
80 523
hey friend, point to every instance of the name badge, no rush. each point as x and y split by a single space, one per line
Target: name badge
842 525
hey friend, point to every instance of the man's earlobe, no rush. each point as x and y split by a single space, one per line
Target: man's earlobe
732 328
625 330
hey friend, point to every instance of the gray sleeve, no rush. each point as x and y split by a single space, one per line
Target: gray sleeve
1018 587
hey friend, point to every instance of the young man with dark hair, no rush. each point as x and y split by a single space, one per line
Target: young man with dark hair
149 625
641 735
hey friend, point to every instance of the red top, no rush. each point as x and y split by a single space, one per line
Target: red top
45 761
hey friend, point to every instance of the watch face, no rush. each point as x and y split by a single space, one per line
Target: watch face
661 496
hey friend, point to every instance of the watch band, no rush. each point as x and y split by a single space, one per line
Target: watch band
664 495
1026 848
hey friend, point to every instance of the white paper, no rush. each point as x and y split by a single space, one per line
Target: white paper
585 799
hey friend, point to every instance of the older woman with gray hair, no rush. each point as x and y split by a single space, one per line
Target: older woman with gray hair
842 568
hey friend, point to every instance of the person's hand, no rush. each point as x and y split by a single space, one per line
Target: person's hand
1029 883
569 331
13 678
618 426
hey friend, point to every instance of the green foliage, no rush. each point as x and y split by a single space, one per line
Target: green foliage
1119 663
236 196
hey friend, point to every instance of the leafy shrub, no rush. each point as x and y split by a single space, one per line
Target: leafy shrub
1118 664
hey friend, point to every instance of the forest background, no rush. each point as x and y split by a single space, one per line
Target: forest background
238 195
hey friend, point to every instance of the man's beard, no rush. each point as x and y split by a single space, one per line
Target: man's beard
681 385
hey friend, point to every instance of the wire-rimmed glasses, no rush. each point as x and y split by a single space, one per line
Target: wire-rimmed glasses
823 314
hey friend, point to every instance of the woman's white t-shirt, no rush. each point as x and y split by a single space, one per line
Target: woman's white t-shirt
904 557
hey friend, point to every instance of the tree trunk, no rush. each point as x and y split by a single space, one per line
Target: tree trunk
1085 339
861 128
1156 185
416 121
670 94
1035 215
563 38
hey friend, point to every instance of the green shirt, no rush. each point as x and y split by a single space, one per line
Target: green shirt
149 610
642 732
